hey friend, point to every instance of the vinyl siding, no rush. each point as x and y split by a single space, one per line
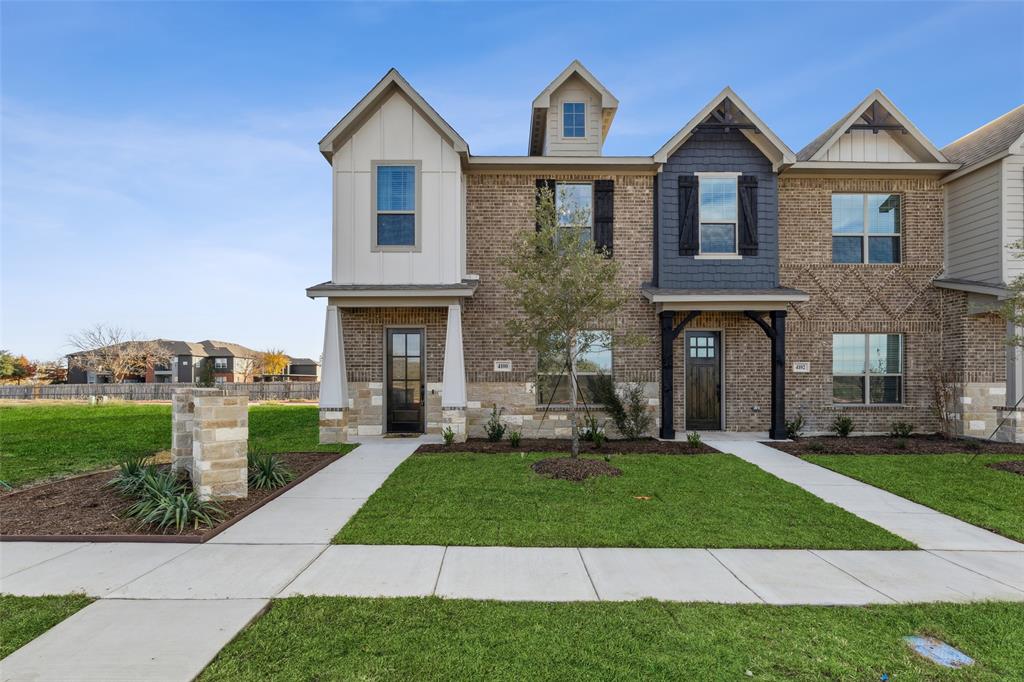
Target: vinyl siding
1013 213
863 145
397 131
574 89
973 216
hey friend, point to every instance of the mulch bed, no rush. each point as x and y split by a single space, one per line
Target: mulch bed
1014 466
643 446
569 469
85 506
885 445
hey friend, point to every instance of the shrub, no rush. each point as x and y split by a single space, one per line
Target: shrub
179 510
513 438
901 429
693 438
494 428
842 425
627 407
449 436
130 475
795 427
267 471
590 428
815 446
599 439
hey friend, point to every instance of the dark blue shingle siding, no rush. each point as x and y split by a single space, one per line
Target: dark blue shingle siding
710 152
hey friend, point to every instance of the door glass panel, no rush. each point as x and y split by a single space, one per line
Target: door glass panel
413 369
412 344
397 369
398 344
414 394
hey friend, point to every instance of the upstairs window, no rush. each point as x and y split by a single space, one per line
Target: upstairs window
220 363
867 369
718 213
395 209
866 228
574 122
574 206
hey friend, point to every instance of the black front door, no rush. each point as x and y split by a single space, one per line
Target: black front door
404 381
703 381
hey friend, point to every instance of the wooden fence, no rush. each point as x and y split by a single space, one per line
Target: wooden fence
271 390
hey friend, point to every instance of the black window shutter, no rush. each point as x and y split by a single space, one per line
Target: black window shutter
604 214
541 184
689 240
748 215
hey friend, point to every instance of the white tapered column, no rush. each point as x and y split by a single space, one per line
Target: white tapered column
333 381
453 387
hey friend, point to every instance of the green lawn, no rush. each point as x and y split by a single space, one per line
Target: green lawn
22 619
696 501
958 485
331 638
46 440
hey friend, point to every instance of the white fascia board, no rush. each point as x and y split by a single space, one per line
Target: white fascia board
894 111
524 162
967 170
655 297
999 292
543 100
874 166
785 153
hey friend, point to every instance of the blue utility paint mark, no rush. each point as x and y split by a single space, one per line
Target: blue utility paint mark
938 652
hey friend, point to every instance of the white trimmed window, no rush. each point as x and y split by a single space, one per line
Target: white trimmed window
719 211
220 363
866 228
395 209
867 369
574 119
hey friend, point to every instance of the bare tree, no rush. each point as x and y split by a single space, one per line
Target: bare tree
115 351
946 391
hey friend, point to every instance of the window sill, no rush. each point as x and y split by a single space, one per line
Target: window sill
867 406
718 256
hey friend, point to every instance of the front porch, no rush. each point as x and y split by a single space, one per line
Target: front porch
729 372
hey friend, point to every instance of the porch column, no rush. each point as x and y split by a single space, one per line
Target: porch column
333 382
777 429
667 431
453 387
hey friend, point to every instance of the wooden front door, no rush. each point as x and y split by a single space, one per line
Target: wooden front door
404 383
703 381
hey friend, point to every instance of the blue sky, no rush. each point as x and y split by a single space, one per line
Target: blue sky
159 160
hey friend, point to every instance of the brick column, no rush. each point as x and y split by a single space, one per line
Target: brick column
220 443
182 413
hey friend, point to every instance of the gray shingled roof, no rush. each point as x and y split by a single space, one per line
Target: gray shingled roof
991 138
222 349
814 145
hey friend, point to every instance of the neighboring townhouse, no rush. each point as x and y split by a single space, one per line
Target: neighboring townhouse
297 369
984 219
769 283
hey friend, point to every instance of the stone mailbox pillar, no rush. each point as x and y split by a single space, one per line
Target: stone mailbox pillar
220 444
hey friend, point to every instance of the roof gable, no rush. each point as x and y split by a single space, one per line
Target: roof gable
728 110
1004 135
541 103
391 82
876 113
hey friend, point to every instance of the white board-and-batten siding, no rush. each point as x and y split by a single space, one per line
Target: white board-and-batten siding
396 131
973 226
864 145
1013 213
574 89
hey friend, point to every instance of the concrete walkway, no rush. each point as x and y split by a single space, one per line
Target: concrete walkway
179 604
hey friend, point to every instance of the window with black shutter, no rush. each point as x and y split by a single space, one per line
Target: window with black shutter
748 215
604 215
689 239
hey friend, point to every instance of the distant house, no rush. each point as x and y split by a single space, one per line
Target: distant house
298 369
232 363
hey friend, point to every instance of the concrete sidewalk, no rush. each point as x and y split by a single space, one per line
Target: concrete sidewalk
925 527
182 603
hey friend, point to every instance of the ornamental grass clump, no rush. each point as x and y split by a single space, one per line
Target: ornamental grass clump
166 502
130 476
267 471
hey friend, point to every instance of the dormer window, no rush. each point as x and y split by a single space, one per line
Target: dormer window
574 120
396 203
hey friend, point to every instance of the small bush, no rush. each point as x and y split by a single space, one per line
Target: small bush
130 475
599 439
178 510
795 427
494 428
449 436
693 438
590 428
901 429
842 425
627 407
513 438
900 443
267 471
815 446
